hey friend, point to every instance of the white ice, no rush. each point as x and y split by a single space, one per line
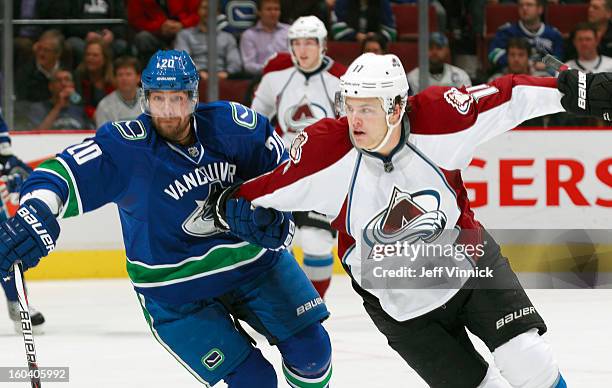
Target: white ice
96 328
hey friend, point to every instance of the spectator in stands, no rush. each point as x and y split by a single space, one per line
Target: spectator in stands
32 78
158 22
77 35
518 60
541 37
266 38
440 72
25 36
374 44
94 76
294 9
354 20
194 41
122 104
600 12
60 111
584 38
440 10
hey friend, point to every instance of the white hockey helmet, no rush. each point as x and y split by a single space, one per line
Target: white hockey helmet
378 76
308 27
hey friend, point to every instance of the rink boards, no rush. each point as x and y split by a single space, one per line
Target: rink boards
524 179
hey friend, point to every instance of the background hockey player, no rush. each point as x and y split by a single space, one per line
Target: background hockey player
299 96
12 171
352 167
193 282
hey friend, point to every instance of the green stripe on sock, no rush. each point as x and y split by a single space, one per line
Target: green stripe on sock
292 380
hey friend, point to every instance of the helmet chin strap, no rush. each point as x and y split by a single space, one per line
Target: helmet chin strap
390 129
385 139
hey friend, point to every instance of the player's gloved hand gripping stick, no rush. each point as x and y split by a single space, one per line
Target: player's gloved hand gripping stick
268 228
583 94
28 236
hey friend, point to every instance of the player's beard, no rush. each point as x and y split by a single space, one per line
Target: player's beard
174 129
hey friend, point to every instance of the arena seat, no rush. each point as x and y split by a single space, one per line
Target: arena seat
408 53
343 52
229 89
406 20
497 15
566 16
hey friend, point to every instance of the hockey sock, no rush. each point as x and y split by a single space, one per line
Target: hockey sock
319 271
307 358
9 289
560 382
536 367
254 372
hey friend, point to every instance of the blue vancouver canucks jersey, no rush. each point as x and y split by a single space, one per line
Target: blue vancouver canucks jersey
174 253
5 140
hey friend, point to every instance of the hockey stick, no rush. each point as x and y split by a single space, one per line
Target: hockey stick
554 63
22 298
26 325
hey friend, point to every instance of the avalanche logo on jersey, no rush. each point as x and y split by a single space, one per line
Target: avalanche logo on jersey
303 114
458 100
406 219
200 222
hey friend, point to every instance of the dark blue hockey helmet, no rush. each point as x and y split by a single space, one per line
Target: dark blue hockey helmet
170 70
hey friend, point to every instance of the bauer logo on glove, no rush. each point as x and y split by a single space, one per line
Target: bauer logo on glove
586 94
38 228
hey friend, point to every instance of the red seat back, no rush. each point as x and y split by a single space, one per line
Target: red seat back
566 16
229 89
343 52
407 20
408 53
498 15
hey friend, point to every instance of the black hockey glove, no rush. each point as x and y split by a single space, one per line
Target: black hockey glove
586 94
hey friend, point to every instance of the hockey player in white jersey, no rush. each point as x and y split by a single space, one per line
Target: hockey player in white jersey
379 172
299 96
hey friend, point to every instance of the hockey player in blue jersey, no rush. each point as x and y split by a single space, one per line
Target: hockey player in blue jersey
194 283
542 38
12 169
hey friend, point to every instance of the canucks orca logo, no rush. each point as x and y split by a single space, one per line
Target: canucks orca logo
303 114
200 222
406 219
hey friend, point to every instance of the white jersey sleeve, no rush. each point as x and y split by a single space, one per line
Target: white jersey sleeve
448 124
265 96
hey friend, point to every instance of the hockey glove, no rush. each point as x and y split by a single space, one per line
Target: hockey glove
13 171
586 94
268 228
28 236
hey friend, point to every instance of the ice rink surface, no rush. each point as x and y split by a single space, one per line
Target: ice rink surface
96 328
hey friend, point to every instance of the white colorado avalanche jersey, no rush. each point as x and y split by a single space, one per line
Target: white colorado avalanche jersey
298 99
327 174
